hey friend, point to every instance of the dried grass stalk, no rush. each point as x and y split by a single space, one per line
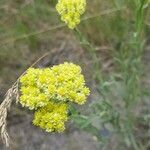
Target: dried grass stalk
4 107
12 93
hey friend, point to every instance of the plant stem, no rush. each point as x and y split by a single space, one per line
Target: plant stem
131 72
95 60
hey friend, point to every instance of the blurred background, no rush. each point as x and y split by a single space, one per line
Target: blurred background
31 28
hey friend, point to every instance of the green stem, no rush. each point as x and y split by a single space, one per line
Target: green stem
95 60
84 123
132 71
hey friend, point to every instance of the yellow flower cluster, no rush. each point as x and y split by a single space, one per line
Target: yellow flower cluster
32 95
49 90
51 117
70 11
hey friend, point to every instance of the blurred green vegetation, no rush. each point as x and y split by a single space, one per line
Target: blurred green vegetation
19 19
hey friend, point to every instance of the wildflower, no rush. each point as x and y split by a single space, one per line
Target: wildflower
69 80
48 91
61 83
52 117
32 97
70 11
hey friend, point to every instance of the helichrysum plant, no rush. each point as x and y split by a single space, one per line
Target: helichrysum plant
50 91
70 11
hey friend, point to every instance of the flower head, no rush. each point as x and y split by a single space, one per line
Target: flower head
52 117
60 83
32 95
70 11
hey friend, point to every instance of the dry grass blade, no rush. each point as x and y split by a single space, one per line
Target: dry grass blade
5 105
11 94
